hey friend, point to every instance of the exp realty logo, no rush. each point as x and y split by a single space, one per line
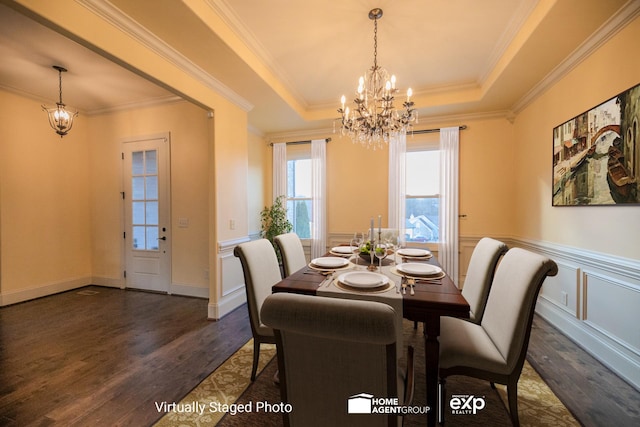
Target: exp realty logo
365 403
466 404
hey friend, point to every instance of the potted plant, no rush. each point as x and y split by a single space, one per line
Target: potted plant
274 222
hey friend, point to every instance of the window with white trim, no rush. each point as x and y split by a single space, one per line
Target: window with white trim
422 203
299 196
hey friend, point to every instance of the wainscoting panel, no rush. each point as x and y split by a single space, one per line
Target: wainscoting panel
563 290
602 295
611 308
229 289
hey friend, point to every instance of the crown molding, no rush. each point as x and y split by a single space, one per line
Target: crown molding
616 23
113 15
222 9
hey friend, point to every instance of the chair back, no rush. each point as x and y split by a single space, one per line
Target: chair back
261 272
510 307
329 350
480 273
293 257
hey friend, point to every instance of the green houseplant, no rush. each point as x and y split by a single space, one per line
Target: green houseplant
274 222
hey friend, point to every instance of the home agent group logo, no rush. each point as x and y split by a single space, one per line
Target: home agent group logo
365 403
466 404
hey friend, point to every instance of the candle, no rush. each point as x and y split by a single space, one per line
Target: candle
409 93
393 81
371 237
379 224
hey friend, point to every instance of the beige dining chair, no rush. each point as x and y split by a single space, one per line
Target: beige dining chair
332 352
480 273
261 271
293 257
495 349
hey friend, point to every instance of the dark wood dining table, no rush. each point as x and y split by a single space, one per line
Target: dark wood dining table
430 301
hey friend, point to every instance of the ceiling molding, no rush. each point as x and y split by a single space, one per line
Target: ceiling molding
226 13
609 29
137 105
113 15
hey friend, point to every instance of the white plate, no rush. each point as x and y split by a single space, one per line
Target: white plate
418 269
345 250
412 252
329 262
363 279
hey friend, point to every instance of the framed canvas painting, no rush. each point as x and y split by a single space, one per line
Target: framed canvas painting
596 157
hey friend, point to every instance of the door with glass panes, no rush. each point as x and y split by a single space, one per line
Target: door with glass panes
146 210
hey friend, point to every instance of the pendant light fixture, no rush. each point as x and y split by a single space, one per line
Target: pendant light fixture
60 119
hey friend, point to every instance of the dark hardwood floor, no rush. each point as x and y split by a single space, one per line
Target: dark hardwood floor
104 359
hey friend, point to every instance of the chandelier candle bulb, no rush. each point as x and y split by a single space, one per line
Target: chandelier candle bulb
409 93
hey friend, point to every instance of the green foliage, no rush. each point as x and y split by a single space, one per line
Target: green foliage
274 222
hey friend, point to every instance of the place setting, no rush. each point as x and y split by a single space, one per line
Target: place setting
414 254
363 282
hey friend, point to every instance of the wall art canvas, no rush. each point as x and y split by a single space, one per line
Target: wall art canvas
596 157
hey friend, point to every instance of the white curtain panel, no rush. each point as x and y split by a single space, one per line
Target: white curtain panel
279 170
448 247
397 187
318 194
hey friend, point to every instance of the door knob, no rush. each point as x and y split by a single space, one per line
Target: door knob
162 238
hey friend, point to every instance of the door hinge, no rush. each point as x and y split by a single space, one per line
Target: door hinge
125 274
122 154
124 234
123 196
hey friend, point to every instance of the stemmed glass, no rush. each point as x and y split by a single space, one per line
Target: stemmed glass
392 245
381 253
356 242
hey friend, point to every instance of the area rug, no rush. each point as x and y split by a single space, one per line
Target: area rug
230 383
205 404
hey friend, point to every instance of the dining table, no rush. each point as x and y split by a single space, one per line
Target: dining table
425 303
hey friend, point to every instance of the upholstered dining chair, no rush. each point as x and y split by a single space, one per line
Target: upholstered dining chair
480 272
293 257
495 349
261 271
333 351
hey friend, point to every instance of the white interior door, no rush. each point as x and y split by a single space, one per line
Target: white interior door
147 213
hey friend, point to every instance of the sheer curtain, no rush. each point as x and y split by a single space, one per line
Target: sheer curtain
397 188
280 170
448 247
318 195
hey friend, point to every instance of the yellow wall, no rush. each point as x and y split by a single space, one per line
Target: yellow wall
615 230
257 190
44 199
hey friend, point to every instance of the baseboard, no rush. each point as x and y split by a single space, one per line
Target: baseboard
227 304
189 290
109 282
8 298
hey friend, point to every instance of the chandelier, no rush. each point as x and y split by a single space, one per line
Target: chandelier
373 120
60 119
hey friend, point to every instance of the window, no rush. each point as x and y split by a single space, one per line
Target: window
422 195
299 199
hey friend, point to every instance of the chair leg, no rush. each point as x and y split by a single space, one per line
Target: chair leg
442 395
256 355
415 325
512 394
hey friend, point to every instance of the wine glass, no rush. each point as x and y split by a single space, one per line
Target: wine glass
392 245
381 253
356 242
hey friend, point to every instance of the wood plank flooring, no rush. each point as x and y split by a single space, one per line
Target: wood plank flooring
104 359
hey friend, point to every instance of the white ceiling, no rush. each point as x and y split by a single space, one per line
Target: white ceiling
461 57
